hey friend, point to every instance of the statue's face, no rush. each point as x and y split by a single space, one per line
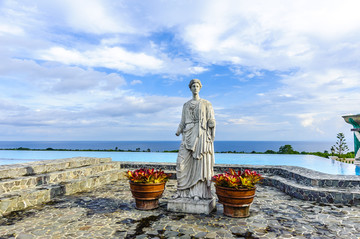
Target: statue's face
195 88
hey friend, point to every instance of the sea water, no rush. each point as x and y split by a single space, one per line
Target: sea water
155 146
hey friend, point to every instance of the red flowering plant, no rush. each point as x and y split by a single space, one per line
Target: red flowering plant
232 179
144 175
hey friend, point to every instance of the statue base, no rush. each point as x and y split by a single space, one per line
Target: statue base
189 205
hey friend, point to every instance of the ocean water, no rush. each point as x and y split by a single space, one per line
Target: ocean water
156 146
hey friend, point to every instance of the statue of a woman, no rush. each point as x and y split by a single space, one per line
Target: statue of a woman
195 161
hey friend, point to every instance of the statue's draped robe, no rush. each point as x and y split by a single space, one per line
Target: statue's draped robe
195 160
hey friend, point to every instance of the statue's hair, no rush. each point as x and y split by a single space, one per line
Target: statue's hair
195 81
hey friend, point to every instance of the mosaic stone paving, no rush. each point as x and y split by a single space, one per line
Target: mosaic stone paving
108 212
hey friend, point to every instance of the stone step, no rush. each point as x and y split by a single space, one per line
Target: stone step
301 175
341 195
312 178
13 184
46 166
21 199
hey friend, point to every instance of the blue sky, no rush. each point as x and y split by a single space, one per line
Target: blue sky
119 70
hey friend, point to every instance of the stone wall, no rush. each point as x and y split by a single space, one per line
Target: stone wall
30 184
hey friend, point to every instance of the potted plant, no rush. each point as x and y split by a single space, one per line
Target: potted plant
236 191
147 186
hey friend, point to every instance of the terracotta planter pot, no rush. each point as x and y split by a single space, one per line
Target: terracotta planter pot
147 194
236 201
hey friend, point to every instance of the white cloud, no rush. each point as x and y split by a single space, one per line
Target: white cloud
113 58
315 100
313 121
135 82
116 116
95 16
13 30
137 63
197 69
126 104
92 17
52 101
274 35
306 119
237 121
324 85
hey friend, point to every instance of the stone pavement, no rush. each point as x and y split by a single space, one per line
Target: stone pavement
108 212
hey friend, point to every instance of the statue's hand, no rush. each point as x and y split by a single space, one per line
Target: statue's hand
177 133
211 123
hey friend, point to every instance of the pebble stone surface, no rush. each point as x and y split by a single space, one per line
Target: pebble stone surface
109 212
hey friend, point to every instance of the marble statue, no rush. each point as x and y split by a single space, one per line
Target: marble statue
195 161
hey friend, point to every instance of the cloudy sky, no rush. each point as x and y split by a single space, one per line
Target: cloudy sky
119 70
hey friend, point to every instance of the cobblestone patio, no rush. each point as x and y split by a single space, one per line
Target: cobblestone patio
108 212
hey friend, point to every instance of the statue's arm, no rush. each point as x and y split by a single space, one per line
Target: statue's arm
182 123
211 121
211 117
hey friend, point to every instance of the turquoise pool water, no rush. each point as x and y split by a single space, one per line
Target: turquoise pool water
307 161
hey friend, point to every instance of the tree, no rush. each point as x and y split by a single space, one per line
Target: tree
340 146
286 149
269 151
332 150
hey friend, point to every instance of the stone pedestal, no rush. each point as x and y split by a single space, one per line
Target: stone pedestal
189 205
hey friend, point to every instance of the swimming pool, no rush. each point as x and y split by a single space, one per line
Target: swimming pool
307 161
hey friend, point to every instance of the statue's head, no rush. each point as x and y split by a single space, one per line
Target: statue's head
195 81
